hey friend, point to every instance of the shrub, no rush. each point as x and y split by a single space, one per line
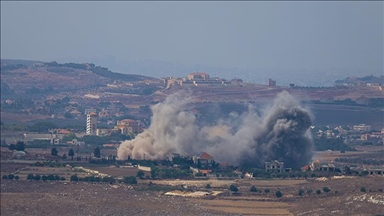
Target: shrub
233 188
326 189
362 189
253 189
74 178
5 177
266 190
278 194
130 180
30 176
318 191
140 174
208 186
309 191
37 177
301 192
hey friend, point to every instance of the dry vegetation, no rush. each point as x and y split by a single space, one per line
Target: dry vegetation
21 197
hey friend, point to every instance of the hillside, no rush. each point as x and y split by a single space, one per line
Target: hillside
32 77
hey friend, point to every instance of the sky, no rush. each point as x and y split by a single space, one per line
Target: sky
312 35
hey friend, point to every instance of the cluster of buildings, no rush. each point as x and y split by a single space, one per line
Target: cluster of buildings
200 79
354 134
125 126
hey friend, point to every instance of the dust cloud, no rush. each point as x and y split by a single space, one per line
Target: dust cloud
280 132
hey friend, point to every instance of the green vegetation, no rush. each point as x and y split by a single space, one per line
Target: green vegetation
140 174
233 188
326 189
54 152
253 189
323 144
130 180
278 194
301 192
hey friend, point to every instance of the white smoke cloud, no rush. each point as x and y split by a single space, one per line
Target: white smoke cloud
279 133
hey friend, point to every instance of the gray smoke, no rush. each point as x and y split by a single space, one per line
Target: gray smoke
281 133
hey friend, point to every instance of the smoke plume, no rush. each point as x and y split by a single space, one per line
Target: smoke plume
279 133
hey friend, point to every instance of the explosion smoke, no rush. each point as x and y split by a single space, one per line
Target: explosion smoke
279 134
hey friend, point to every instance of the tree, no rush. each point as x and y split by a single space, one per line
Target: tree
20 146
326 189
37 177
71 153
130 180
30 176
301 192
74 178
154 171
253 189
96 152
11 176
54 152
12 147
140 174
278 194
233 188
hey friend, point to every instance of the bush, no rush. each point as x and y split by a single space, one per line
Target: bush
318 191
363 189
233 188
130 180
208 186
140 174
266 191
301 192
30 176
11 176
278 194
37 177
74 178
326 189
309 191
253 189
5 177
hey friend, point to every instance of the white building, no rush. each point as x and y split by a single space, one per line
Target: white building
91 124
362 127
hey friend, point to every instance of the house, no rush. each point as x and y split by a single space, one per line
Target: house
274 166
204 159
127 126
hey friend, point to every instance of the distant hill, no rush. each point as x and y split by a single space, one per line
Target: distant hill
35 77
10 62
367 79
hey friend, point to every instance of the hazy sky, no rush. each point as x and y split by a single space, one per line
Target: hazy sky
288 35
